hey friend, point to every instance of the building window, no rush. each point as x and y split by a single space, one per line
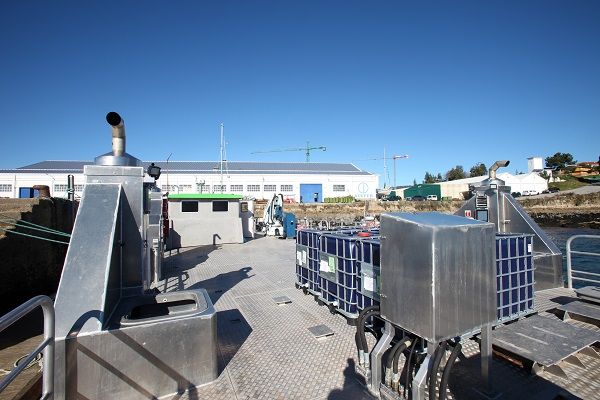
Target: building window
61 188
220 205
237 188
253 188
219 188
174 188
287 188
189 206
339 188
270 188
5 187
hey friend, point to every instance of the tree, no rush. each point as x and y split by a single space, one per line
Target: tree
429 178
439 178
456 173
478 169
414 182
560 160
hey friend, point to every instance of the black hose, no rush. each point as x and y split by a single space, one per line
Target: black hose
392 355
363 337
408 367
437 359
447 368
398 353
357 339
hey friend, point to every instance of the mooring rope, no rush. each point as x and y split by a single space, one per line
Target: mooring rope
34 227
32 236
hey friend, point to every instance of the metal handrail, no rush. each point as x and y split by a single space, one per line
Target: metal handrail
570 269
47 346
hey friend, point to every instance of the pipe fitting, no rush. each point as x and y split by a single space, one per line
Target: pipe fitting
118 133
495 166
395 382
388 376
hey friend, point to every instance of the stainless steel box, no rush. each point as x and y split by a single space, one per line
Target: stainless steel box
438 277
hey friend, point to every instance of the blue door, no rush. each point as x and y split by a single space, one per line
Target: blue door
26 193
311 193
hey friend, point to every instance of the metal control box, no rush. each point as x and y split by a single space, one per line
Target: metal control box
438 274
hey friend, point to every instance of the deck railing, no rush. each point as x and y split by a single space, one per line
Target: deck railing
589 277
46 347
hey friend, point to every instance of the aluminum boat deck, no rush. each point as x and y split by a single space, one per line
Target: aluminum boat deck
271 348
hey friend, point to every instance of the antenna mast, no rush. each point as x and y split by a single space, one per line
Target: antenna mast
222 156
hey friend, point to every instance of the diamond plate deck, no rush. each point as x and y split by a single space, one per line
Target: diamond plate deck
267 352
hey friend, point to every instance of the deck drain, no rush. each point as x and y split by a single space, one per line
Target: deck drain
320 331
235 321
280 300
219 291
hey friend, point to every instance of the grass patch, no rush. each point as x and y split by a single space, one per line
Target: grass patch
569 183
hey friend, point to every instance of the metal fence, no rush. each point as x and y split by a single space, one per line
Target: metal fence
577 274
46 347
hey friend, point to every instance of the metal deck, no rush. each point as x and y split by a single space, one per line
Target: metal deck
581 309
544 340
268 352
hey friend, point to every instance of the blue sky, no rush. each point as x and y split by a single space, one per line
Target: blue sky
433 80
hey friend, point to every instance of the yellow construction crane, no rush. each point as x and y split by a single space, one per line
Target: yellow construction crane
306 149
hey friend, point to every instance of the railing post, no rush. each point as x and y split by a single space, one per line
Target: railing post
48 366
569 270
46 347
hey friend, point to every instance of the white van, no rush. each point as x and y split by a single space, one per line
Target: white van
432 197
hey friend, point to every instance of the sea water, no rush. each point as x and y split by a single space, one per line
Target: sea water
578 262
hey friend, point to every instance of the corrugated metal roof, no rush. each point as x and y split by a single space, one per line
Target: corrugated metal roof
205 167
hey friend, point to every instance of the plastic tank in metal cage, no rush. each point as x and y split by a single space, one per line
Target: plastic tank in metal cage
338 269
369 271
514 276
307 259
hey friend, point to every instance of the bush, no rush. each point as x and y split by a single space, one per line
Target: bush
344 199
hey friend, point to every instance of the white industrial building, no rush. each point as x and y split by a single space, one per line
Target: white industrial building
518 183
535 164
300 182
459 189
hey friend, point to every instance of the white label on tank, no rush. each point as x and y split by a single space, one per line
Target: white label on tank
324 266
529 247
299 257
303 257
368 283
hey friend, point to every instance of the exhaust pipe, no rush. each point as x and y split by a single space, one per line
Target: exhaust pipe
118 133
493 168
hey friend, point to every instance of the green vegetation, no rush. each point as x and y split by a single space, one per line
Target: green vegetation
560 160
478 169
430 178
570 182
345 199
456 173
